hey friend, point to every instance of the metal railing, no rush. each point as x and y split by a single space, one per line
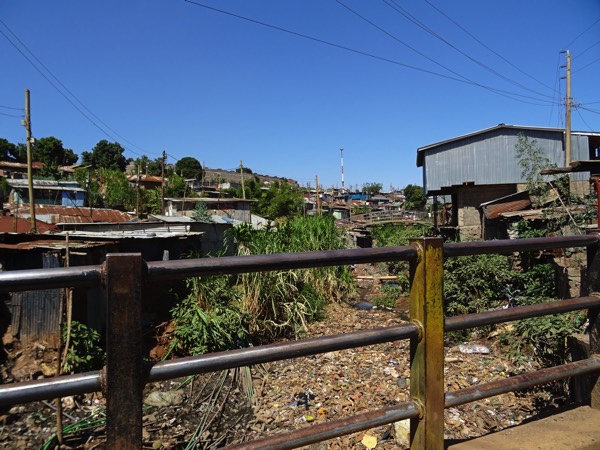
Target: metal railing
123 378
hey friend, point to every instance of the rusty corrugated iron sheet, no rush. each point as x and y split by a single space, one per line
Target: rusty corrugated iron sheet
495 210
73 214
10 224
52 244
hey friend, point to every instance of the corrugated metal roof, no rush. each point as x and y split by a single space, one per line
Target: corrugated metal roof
489 157
46 184
10 224
496 127
73 214
52 244
495 210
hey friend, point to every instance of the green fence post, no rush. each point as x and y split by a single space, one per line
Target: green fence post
427 351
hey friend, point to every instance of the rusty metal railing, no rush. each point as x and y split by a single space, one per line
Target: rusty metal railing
122 276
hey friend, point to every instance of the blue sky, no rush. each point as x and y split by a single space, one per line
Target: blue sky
287 89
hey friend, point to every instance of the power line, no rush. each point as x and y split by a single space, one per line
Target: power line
421 25
582 119
64 87
485 46
581 53
590 110
11 107
10 115
582 33
587 65
468 80
370 55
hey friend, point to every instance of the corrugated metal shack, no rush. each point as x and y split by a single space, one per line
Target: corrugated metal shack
35 315
483 166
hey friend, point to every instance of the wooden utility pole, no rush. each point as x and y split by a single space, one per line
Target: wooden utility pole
162 184
242 175
568 103
137 190
27 124
317 193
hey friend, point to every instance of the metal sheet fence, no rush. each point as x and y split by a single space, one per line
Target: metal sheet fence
122 276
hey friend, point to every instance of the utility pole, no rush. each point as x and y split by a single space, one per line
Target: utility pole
568 103
317 193
242 175
162 184
137 190
342 155
27 124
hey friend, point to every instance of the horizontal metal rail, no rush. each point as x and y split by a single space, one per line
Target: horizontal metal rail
467 321
426 257
332 429
29 391
185 268
329 430
91 276
523 381
518 245
62 386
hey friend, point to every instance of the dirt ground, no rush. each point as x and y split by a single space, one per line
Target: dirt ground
208 411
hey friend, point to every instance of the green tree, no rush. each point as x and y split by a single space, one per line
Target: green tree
12 152
280 200
51 152
414 197
176 186
189 167
532 161
106 155
201 213
372 188
116 190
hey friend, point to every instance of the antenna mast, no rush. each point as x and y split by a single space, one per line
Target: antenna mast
342 155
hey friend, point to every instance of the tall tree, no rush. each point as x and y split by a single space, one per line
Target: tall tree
189 167
12 152
372 188
414 197
106 155
51 152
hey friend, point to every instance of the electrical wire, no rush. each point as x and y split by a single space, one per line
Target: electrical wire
582 119
583 52
65 88
392 4
370 55
590 110
10 115
11 107
582 33
587 65
486 46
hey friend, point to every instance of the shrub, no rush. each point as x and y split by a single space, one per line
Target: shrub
84 353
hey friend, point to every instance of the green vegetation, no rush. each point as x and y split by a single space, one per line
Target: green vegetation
201 213
395 235
372 188
85 352
414 197
223 312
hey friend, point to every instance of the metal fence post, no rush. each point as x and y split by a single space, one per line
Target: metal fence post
427 351
123 277
593 285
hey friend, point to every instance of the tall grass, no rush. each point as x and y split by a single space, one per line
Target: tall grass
224 312
280 302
